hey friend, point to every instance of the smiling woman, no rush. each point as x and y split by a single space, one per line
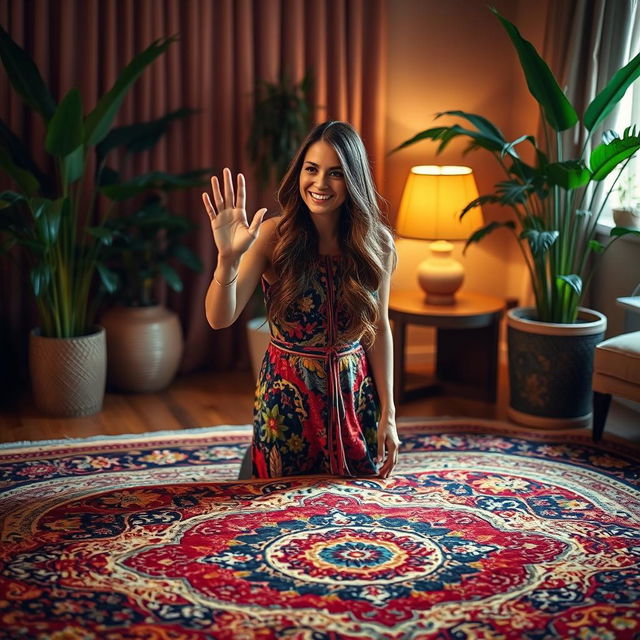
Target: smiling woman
322 184
324 401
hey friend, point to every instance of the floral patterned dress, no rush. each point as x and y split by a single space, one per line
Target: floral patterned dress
316 406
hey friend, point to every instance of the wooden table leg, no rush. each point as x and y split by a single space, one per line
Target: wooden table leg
468 359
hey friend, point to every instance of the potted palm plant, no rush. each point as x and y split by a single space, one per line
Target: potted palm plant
144 337
555 208
58 216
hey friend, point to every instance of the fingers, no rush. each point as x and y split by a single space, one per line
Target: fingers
217 196
228 201
208 206
257 221
242 193
228 188
391 457
389 464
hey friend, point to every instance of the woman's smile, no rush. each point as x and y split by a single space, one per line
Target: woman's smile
322 184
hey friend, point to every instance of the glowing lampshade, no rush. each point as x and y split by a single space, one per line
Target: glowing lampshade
430 209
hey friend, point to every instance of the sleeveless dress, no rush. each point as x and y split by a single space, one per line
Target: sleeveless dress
316 406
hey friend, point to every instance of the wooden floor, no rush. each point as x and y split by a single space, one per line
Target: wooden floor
200 400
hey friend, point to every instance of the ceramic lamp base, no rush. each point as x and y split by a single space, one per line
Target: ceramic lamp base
440 275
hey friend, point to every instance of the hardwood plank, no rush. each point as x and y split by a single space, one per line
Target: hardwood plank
214 398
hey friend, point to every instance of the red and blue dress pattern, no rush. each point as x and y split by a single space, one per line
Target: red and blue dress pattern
316 406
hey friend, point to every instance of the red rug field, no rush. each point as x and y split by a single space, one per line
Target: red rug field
483 533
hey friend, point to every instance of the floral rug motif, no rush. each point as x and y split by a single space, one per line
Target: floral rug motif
484 532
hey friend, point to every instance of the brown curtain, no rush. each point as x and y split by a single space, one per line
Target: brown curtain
224 47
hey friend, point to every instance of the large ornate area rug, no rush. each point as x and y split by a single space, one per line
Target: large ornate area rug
484 532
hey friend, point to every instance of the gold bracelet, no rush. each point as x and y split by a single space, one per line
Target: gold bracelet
228 283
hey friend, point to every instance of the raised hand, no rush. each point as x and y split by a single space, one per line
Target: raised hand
232 233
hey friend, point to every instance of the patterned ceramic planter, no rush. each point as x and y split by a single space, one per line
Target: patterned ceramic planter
68 374
550 368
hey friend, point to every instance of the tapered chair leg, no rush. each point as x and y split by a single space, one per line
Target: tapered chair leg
601 402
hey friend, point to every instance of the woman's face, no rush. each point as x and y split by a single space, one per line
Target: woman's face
322 185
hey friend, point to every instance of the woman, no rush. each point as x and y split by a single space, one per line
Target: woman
325 264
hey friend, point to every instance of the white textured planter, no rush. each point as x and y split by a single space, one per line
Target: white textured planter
550 368
68 375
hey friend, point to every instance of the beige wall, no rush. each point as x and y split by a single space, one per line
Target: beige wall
456 55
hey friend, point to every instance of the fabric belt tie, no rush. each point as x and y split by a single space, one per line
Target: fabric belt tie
332 354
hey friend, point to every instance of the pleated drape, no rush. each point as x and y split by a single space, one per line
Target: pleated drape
224 47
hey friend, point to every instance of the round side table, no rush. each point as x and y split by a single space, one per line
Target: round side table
467 334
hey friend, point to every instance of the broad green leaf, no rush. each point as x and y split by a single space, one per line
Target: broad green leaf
25 77
435 133
484 126
153 180
140 136
108 278
479 201
21 156
9 198
65 131
573 280
25 180
539 241
108 176
187 257
596 247
513 191
541 82
40 277
509 147
15 220
104 234
609 97
73 165
99 121
606 157
570 174
47 215
477 235
171 276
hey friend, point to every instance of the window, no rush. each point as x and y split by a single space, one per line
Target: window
627 189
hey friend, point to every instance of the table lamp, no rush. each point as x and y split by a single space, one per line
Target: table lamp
432 200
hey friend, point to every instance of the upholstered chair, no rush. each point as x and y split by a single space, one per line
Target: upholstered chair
616 366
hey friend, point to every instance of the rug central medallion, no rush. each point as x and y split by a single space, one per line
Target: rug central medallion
353 555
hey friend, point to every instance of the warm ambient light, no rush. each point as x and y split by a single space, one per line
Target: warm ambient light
430 209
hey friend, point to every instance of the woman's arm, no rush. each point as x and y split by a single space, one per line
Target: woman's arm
380 356
242 252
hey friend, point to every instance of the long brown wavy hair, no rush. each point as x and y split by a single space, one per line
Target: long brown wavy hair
365 239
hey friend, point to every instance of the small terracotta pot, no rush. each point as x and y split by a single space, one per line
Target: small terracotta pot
144 347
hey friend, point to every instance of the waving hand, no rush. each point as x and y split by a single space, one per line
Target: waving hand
232 233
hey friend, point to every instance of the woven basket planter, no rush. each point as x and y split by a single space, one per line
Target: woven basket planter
68 375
